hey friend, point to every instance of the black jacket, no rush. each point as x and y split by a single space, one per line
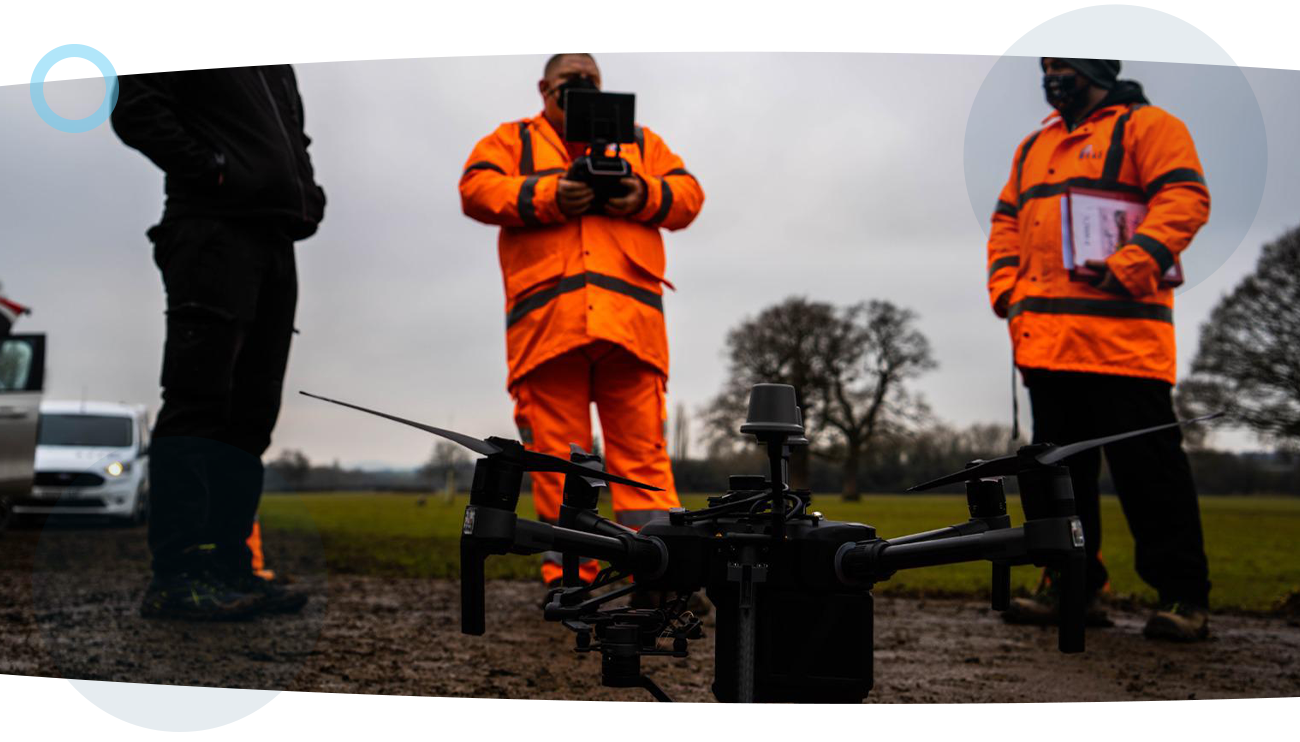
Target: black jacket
231 142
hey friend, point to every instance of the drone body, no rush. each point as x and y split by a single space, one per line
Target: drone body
768 592
792 590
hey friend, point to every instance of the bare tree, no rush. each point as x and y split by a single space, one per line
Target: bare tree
293 466
442 464
849 368
1249 357
866 395
786 343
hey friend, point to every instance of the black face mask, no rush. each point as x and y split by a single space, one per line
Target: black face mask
1065 93
573 83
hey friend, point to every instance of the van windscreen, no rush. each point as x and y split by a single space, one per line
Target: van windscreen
99 431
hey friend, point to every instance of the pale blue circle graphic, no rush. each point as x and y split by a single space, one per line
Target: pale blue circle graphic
173 708
1196 80
74 51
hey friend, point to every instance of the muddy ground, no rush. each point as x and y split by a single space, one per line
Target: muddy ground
69 596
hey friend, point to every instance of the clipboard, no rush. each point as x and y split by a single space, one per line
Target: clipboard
1094 224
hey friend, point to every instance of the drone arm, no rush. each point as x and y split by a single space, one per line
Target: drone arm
969 528
622 547
533 537
1043 541
1001 573
1007 544
1056 541
591 522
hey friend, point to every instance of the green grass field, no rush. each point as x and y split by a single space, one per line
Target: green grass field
1253 543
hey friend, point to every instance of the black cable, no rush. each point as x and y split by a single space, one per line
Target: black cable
724 508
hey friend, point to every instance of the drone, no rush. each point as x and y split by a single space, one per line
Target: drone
792 589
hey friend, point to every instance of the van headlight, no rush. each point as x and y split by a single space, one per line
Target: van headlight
117 468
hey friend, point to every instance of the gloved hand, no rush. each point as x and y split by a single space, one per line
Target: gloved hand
1106 280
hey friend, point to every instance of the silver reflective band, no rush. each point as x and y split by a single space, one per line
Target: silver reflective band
1076 533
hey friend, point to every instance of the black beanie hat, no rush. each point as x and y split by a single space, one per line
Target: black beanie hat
1100 72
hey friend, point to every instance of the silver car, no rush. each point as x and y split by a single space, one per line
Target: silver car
22 378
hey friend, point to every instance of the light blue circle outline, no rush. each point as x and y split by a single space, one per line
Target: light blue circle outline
74 51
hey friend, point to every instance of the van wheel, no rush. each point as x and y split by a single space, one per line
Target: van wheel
140 515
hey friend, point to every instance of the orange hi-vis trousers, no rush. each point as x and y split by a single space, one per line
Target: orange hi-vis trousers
553 409
258 560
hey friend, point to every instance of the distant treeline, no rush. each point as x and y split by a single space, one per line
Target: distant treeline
888 468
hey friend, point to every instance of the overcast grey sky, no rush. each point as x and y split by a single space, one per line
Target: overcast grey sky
841 177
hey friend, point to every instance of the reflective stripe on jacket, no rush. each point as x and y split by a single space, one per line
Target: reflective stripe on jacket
1065 325
569 281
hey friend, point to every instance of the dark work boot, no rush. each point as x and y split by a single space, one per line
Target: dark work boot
275 598
1043 608
1179 622
197 596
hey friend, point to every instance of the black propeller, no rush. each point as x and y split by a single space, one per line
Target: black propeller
1005 466
531 461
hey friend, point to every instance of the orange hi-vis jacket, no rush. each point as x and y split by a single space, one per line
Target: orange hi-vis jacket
1065 325
572 281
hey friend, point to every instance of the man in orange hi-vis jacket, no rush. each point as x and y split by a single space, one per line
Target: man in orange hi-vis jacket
584 297
1098 355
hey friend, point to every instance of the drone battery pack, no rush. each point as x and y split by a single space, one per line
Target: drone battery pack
812 648
812 634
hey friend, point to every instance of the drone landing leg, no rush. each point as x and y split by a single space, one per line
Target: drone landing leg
1001 586
1073 598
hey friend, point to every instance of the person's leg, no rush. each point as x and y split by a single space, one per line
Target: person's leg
552 410
1063 412
256 394
207 278
1154 482
630 398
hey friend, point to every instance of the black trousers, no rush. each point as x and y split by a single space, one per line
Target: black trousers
1151 474
232 289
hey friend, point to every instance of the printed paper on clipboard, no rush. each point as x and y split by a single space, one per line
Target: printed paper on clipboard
1094 224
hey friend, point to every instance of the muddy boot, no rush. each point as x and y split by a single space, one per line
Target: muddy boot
1178 622
1036 610
199 596
1043 608
275 598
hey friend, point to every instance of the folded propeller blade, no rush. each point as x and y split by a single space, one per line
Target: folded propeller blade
1061 452
531 460
474 444
535 461
1006 466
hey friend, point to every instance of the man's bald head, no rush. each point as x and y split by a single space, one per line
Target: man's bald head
557 58
560 69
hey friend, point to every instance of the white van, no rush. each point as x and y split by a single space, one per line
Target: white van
91 459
